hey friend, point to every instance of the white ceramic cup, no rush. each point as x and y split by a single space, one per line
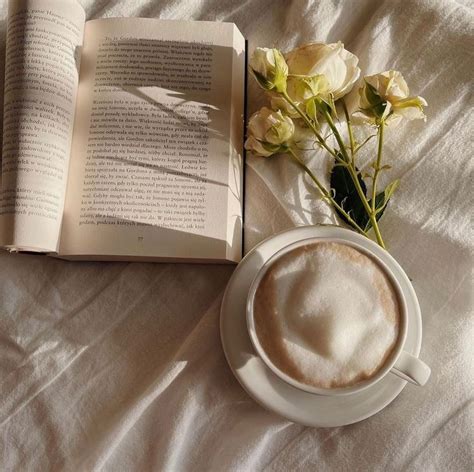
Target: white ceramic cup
400 362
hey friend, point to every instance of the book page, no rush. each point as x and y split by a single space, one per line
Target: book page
41 77
157 148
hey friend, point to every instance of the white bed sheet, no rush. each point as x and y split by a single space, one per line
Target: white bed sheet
119 366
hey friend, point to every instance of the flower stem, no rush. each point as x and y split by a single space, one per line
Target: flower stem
377 164
349 129
373 217
351 168
340 142
324 192
378 235
320 139
347 161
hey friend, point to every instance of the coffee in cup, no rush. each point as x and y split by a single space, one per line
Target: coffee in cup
327 315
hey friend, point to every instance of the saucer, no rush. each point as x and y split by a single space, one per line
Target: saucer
269 390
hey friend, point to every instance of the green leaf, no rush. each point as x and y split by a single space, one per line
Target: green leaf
390 189
345 194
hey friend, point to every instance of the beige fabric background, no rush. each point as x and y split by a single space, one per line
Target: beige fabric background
115 366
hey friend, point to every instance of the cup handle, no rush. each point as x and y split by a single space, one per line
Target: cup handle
411 368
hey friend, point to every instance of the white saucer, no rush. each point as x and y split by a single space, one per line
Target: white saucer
269 390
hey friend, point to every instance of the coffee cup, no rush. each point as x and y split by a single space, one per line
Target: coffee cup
327 339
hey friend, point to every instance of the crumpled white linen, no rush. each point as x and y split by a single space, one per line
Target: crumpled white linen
116 366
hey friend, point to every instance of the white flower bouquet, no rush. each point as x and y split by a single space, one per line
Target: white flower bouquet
306 89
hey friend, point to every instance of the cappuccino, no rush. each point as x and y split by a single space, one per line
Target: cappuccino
326 315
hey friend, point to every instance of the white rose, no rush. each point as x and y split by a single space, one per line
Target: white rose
336 64
385 96
269 132
269 68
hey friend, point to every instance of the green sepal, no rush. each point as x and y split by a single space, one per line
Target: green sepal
312 109
273 148
280 77
378 104
261 80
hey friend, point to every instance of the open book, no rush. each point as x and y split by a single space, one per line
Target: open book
122 138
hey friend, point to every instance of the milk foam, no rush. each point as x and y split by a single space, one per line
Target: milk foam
327 315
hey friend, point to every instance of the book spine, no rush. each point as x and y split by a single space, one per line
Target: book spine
244 137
